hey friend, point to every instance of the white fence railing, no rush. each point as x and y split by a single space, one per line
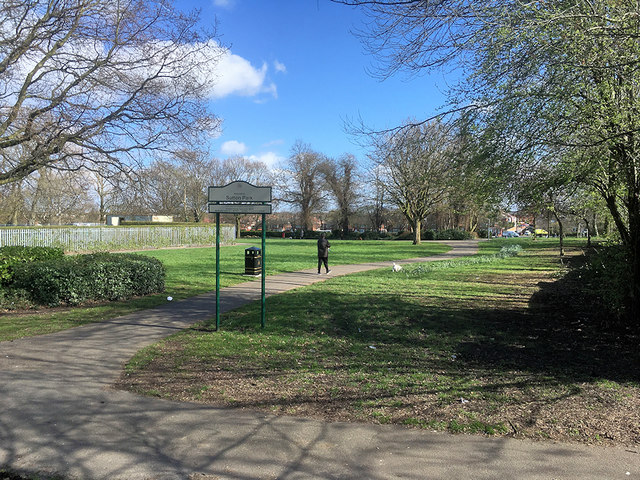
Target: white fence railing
78 239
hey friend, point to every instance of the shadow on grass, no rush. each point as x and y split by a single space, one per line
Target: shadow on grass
564 333
492 350
559 335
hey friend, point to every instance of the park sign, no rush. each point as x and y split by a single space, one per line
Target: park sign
239 197
239 192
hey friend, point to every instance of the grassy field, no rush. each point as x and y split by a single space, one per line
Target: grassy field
191 271
504 347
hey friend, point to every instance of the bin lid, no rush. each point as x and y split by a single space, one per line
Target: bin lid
252 249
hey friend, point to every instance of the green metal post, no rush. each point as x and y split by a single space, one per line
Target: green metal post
217 271
264 237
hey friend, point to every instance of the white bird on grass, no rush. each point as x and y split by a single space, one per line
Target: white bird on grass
396 267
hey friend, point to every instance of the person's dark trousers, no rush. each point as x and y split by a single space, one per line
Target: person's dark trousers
323 260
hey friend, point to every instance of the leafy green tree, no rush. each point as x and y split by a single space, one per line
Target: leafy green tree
553 83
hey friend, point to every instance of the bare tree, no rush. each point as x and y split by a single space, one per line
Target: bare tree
164 189
104 192
194 173
375 205
302 182
416 165
341 178
53 197
97 83
12 203
178 186
130 194
241 168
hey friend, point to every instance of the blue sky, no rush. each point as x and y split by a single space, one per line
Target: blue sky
296 72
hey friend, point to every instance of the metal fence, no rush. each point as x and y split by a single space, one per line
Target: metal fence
79 239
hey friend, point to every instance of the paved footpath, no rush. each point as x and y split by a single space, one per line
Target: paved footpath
59 413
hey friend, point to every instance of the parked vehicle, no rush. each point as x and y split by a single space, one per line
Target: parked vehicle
510 234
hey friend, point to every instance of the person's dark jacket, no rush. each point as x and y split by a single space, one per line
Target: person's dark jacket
323 248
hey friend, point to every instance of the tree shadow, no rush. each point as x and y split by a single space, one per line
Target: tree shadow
560 333
564 333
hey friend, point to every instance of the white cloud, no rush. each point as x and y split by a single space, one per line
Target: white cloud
274 143
271 159
223 3
234 75
279 67
176 68
233 147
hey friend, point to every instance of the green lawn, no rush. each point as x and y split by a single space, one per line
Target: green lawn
191 271
498 347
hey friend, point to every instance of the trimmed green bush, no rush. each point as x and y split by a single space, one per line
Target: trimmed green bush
404 236
14 299
99 276
452 234
428 235
258 234
449 234
14 255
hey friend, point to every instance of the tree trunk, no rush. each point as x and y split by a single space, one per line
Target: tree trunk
586 221
345 224
237 222
417 227
561 232
306 220
617 219
103 217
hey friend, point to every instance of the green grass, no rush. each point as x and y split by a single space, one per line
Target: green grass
457 345
191 271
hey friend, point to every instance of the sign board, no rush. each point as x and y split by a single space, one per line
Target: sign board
238 208
239 197
239 192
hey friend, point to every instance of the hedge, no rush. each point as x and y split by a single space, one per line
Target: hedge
73 280
452 234
10 256
448 234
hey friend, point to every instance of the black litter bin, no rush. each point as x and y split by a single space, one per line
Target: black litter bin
252 261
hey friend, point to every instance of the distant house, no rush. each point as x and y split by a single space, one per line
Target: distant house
118 219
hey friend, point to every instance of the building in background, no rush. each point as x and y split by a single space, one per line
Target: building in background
118 220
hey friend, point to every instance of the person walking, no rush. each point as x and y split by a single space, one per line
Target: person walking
323 253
